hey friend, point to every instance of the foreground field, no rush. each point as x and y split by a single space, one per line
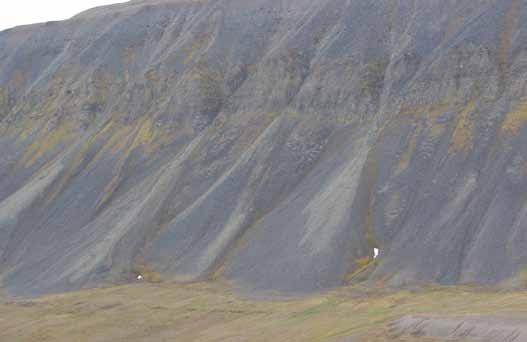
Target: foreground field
206 312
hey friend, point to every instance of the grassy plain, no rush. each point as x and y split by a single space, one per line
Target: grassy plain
212 312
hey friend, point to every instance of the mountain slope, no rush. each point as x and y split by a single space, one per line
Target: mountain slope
274 143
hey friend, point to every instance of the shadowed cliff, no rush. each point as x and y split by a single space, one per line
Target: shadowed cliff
272 143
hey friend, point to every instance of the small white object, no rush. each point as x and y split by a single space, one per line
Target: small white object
375 253
139 277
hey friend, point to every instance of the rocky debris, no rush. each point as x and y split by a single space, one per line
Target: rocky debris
503 328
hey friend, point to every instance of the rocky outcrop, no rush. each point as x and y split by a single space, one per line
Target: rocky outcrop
274 143
481 328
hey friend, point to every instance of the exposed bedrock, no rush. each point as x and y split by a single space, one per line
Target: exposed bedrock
477 328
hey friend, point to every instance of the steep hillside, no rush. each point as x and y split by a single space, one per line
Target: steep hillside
271 143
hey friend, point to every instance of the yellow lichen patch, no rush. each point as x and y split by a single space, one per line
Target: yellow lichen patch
63 133
430 111
436 131
151 76
432 114
429 115
363 262
425 119
126 138
150 137
515 120
373 174
145 133
462 138
361 265
110 189
3 101
121 138
404 162
75 164
142 134
70 172
148 274
218 272
26 130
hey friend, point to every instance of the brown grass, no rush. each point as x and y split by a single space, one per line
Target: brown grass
206 312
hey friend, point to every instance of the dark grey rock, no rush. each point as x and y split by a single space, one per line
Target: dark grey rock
271 142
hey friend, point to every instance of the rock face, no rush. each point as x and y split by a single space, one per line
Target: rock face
273 143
